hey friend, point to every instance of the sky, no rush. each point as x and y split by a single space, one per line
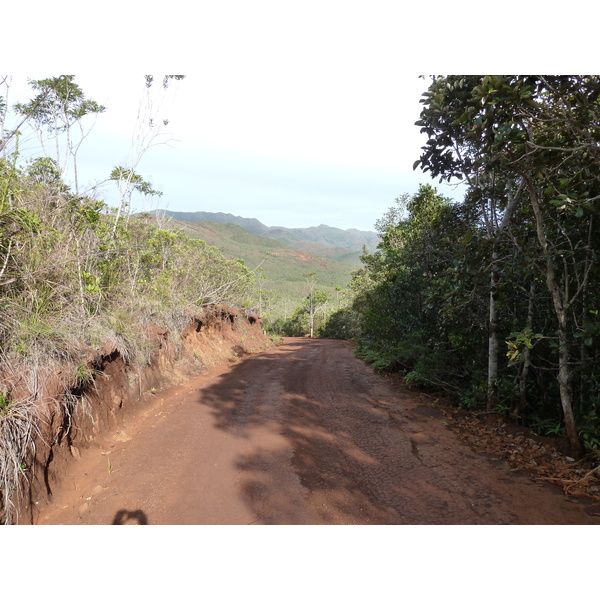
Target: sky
297 115
295 149
294 116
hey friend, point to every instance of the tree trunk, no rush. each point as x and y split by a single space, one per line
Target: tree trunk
493 337
564 369
75 175
493 342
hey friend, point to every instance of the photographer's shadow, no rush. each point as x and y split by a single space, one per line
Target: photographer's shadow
130 517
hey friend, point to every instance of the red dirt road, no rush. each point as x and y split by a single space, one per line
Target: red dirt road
304 433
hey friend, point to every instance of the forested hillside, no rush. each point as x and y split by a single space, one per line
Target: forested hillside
495 300
285 276
280 267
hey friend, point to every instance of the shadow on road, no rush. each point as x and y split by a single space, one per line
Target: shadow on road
130 517
340 462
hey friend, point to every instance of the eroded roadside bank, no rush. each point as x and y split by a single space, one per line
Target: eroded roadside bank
66 417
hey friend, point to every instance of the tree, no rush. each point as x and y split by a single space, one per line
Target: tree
316 300
540 134
305 319
59 105
405 289
149 130
7 135
129 181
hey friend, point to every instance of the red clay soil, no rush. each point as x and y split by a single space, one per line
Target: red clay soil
303 433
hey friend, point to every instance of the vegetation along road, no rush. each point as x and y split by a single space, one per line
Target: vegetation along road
304 433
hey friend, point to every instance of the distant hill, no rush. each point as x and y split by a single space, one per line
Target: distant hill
283 266
341 245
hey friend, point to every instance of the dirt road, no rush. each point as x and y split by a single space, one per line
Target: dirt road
304 433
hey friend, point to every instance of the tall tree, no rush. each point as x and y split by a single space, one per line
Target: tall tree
542 134
315 300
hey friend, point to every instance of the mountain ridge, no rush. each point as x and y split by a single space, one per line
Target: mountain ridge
331 242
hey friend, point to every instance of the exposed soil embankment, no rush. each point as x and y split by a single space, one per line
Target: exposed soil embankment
70 423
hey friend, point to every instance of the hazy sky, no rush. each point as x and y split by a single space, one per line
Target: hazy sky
294 114
293 149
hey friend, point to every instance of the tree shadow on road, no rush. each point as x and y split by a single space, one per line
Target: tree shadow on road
336 461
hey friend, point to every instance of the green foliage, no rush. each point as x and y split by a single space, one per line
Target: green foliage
515 261
129 177
310 316
518 341
4 401
65 269
45 172
83 375
343 324
59 103
400 293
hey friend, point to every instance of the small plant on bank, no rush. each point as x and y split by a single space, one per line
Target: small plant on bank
84 375
4 402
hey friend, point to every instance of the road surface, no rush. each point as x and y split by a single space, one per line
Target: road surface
304 433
